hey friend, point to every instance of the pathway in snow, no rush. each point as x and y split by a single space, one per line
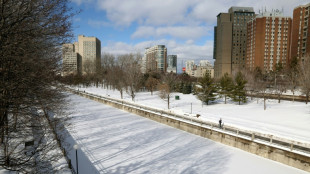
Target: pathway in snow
114 141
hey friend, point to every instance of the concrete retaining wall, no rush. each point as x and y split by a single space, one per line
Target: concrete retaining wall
283 155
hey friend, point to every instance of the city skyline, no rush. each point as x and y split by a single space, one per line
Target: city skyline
185 27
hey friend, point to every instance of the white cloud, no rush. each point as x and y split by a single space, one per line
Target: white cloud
150 12
181 19
182 32
171 12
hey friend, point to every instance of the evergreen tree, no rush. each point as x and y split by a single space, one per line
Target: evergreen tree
238 93
187 88
206 91
226 84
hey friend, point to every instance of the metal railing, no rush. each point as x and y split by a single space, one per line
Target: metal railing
267 139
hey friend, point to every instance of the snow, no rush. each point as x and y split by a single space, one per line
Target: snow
289 120
114 141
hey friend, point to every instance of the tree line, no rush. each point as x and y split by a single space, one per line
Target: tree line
123 73
296 76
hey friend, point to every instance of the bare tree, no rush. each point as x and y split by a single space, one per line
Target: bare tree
304 76
165 93
279 81
117 74
250 76
292 75
89 67
280 87
133 74
167 86
107 62
31 35
151 84
262 88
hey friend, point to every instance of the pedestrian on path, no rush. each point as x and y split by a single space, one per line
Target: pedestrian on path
220 123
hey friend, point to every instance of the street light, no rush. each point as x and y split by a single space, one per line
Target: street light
76 147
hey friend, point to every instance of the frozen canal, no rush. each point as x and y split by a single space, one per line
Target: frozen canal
114 141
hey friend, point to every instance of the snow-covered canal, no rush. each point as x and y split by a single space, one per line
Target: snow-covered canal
114 141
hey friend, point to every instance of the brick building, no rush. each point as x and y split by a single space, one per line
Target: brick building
301 32
268 40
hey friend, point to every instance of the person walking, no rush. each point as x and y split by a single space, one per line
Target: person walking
220 123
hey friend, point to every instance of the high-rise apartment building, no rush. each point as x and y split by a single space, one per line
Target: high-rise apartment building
70 60
300 45
189 67
83 56
156 59
230 36
89 48
172 63
268 40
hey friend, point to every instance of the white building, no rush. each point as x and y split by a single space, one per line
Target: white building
189 66
199 70
203 68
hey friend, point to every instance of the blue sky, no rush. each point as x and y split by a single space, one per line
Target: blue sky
184 26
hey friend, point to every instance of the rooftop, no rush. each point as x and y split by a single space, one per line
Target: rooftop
241 9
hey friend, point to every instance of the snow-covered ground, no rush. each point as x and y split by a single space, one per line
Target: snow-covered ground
290 120
114 141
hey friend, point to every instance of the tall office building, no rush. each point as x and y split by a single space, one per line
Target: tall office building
268 40
230 36
156 59
89 49
83 56
301 32
172 63
70 62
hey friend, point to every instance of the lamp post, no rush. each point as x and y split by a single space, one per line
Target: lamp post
76 146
